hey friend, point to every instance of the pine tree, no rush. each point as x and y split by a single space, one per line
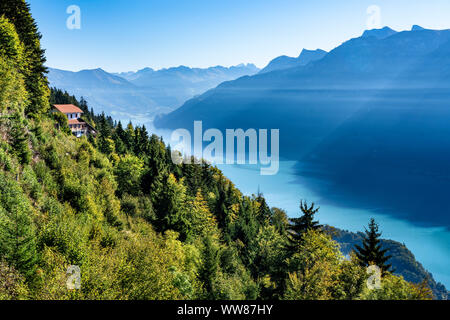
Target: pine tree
157 171
170 207
13 96
11 48
371 251
129 137
17 232
300 225
19 139
210 266
264 212
18 13
202 220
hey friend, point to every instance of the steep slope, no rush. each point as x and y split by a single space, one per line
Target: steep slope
110 216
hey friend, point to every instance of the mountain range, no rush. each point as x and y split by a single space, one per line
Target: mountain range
367 123
140 95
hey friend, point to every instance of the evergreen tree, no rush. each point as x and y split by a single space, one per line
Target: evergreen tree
118 139
18 12
11 47
371 251
303 224
19 139
13 96
128 174
245 228
264 213
210 266
201 220
129 137
157 171
280 220
17 232
170 208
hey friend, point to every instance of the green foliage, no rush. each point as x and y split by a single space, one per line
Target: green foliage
62 122
128 172
138 225
94 210
12 283
403 260
18 13
303 224
17 230
315 267
396 288
19 139
64 232
31 185
11 48
210 266
280 220
138 207
265 251
138 230
13 96
201 221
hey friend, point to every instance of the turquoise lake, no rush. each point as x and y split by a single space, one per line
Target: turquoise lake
431 246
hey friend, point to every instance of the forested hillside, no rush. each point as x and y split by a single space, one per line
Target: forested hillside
137 225
402 260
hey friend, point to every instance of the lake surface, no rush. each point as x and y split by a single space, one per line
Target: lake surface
430 245
425 233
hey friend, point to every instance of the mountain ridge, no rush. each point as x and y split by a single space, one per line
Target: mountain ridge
359 108
140 95
285 62
403 260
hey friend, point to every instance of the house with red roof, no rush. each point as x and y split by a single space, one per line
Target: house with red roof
76 124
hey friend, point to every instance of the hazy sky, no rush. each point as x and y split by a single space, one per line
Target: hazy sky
123 35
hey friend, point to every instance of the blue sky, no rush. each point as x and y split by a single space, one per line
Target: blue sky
123 35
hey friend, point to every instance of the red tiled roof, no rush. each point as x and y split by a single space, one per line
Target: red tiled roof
75 121
67 108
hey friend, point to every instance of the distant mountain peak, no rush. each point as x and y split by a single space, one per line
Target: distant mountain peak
306 56
379 33
285 62
147 69
98 70
417 28
307 51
